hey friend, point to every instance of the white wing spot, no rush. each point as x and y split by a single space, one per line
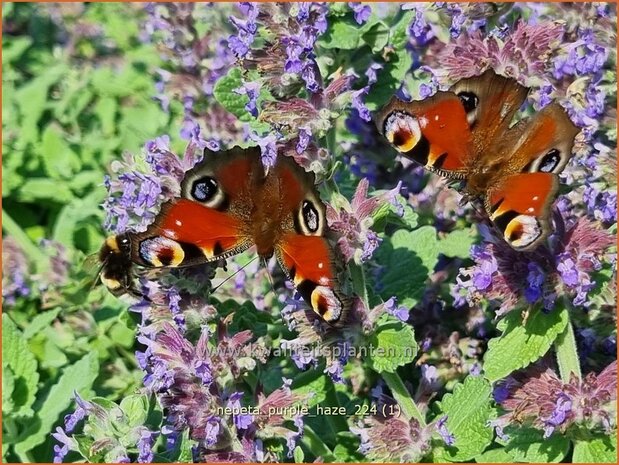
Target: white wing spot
321 265
179 223
535 198
436 118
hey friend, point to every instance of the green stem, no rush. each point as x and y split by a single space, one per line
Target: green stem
338 422
316 445
357 275
32 251
393 380
403 398
567 353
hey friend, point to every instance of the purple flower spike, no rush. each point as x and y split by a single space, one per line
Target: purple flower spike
361 12
441 426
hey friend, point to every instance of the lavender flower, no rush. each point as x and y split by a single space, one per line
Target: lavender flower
353 221
145 446
251 89
521 55
246 29
138 191
241 421
503 275
393 439
400 312
540 397
14 272
361 12
441 426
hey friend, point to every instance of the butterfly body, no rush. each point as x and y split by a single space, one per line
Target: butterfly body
228 203
466 133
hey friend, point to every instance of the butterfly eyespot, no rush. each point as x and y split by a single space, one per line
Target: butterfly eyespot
550 161
469 100
161 251
326 304
310 216
309 219
207 191
403 131
204 189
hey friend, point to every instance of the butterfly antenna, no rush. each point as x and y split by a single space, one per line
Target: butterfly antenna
228 278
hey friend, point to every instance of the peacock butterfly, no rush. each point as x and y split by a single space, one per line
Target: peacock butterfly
227 205
465 134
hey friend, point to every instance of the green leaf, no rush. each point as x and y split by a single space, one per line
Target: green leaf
231 101
528 445
599 449
343 33
35 189
298 455
77 377
135 407
105 109
74 214
399 30
59 161
392 345
40 322
23 365
312 383
32 98
494 456
8 385
398 64
468 410
377 37
389 79
408 257
458 243
521 344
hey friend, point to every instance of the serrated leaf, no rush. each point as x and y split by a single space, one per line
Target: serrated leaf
135 408
599 449
468 410
230 100
8 385
75 213
408 258
76 377
59 161
392 345
520 345
458 243
40 322
34 189
17 355
343 33
528 445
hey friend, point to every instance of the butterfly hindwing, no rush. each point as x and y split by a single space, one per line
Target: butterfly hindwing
519 206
